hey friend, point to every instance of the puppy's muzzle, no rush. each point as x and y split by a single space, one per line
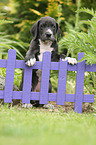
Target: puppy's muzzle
48 35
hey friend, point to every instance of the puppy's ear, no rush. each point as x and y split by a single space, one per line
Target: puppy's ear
58 31
35 30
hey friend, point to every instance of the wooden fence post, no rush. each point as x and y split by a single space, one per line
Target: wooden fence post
9 76
45 78
61 92
27 82
79 84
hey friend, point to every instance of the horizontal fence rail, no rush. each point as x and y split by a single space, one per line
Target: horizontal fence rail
43 96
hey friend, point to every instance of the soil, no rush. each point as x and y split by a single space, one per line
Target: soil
68 107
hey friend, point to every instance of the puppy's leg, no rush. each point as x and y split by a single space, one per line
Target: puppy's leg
21 88
30 58
33 86
49 106
36 81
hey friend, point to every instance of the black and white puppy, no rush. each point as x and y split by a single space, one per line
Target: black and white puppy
44 32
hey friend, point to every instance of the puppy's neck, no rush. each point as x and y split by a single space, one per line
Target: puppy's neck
44 46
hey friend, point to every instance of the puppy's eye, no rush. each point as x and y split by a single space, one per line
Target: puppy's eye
53 26
41 27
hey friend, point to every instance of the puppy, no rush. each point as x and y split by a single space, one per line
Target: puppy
44 32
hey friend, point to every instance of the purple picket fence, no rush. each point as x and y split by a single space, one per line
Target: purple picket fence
43 96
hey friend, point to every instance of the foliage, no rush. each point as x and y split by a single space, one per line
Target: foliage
9 42
76 41
25 13
76 35
84 41
70 84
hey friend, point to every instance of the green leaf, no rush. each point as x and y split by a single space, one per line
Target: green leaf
86 10
5 21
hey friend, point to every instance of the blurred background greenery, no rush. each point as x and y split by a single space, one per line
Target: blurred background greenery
77 21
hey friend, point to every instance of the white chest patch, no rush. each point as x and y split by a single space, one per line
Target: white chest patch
44 46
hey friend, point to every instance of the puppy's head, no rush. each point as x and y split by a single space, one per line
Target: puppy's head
45 29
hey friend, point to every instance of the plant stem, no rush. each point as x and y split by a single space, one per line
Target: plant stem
77 14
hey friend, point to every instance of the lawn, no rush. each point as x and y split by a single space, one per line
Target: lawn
38 127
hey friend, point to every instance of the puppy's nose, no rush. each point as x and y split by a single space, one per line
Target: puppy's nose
48 34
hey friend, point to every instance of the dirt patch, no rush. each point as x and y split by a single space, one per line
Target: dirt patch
86 108
68 107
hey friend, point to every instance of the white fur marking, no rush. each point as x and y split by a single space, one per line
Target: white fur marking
70 60
44 46
27 105
31 62
49 30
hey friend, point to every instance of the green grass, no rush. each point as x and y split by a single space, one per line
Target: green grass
30 126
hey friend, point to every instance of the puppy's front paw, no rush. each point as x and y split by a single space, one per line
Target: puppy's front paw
70 60
31 62
27 106
48 106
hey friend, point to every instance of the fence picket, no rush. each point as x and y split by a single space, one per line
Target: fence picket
79 84
45 78
61 96
27 85
46 65
9 76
